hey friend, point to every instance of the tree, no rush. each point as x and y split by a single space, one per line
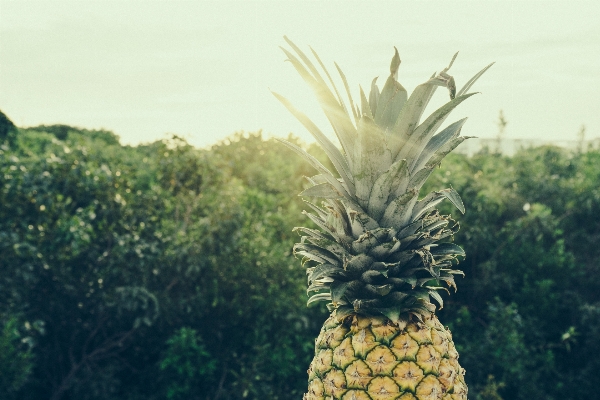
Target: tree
165 270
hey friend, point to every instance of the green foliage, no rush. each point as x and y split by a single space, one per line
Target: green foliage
8 130
16 358
165 271
185 363
66 132
115 248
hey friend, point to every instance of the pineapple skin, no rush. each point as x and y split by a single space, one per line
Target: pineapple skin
371 358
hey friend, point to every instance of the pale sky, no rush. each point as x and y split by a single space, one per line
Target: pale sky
203 69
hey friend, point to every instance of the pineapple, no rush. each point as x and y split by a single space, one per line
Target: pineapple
381 253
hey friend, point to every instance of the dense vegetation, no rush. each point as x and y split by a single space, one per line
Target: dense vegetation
165 272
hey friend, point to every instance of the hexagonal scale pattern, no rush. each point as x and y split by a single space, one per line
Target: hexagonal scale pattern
360 358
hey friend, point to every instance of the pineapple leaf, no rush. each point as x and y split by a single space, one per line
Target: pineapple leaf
306 60
385 249
471 81
434 198
341 102
447 249
409 116
319 222
324 270
322 214
436 296
334 110
321 168
305 249
411 280
359 264
444 150
426 204
312 160
395 64
338 290
402 299
436 142
401 179
381 290
312 233
370 276
393 313
454 198
332 247
364 105
435 225
418 179
323 190
342 312
383 186
454 271
360 222
443 79
423 133
392 98
319 285
332 152
316 179
409 230
397 211
374 158
364 243
449 278
308 256
314 70
318 297
350 101
374 96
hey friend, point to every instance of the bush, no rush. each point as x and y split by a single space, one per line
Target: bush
16 358
185 363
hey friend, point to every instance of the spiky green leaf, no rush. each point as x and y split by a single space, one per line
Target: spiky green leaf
472 81
445 149
364 105
373 158
350 101
436 296
423 133
318 297
324 270
399 210
388 181
447 249
436 142
322 190
374 96
336 157
454 198
335 112
338 290
392 98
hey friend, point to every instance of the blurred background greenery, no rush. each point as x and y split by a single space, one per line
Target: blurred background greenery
163 271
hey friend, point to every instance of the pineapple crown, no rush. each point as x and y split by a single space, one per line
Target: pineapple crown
379 249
